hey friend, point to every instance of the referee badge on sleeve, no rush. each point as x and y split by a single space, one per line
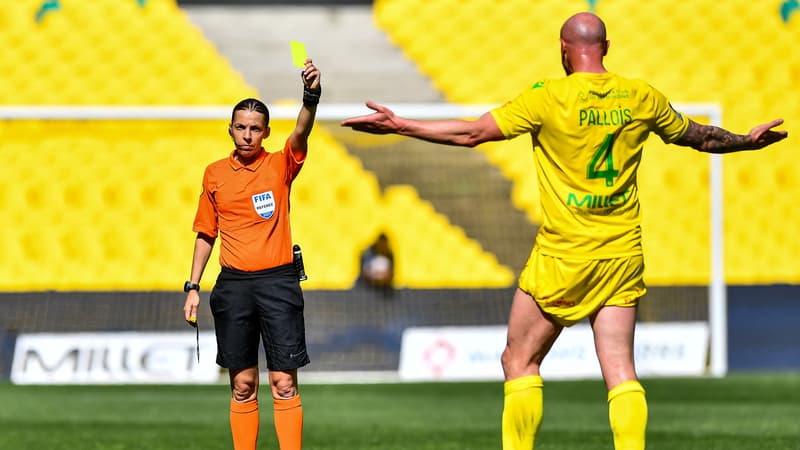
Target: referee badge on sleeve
264 204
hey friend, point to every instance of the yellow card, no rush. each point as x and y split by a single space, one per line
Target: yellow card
298 54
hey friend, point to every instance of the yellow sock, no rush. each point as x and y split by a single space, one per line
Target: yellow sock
289 422
627 413
522 412
244 424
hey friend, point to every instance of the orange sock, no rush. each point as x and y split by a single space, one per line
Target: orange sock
289 422
244 424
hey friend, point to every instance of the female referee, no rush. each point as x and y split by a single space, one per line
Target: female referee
257 295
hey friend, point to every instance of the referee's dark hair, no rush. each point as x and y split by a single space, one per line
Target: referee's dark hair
251 104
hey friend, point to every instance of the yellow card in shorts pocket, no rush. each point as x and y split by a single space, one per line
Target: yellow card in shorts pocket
298 54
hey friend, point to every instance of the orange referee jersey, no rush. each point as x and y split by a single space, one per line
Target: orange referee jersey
248 207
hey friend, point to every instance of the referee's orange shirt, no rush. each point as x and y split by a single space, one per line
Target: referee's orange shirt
248 207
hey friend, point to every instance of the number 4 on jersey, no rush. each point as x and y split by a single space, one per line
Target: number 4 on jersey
601 157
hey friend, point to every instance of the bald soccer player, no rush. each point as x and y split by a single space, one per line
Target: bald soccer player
588 131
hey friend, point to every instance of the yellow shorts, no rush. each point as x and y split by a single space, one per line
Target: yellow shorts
572 289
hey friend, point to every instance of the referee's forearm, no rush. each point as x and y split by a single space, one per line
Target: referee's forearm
203 246
303 127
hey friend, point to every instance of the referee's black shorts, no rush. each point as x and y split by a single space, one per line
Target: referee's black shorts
267 304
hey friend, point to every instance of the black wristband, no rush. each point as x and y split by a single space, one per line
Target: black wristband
311 96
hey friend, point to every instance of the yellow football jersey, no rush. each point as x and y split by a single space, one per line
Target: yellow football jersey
588 131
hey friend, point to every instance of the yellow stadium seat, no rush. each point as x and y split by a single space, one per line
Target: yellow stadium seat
430 252
105 52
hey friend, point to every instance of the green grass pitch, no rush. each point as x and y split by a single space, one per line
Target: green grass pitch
738 412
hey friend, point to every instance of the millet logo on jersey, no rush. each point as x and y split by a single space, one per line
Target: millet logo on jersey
264 204
590 201
537 85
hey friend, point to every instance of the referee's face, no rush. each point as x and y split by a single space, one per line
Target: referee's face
248 129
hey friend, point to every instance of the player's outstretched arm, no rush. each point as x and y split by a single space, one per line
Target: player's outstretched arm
711 139
312 90
466 133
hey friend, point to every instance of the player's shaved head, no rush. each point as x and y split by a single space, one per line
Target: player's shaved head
583 43
584 29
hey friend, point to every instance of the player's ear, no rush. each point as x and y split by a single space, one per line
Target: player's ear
230 130
605 47
267 131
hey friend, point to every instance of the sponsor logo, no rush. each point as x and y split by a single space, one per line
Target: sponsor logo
591 201
439 356
297 355
109 358
559 302
473 353
613 94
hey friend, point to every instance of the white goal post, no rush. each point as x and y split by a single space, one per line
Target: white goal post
717 302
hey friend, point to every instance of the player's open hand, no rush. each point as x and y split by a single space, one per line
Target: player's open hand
382 121
311 75
764 135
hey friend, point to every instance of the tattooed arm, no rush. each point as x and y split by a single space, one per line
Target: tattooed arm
711 139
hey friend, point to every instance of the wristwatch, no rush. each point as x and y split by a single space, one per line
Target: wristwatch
189 286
